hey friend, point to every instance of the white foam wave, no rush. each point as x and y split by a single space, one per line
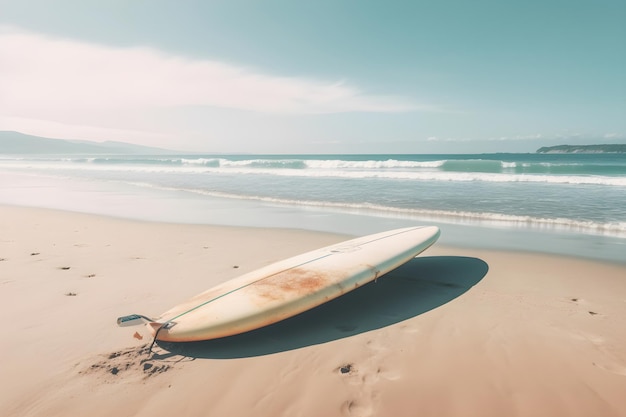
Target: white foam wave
242 168
614 229
202 161
439 176
332 164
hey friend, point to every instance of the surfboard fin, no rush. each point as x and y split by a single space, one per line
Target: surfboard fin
133 320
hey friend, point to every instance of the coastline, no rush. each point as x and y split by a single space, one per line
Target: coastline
458 331
146 203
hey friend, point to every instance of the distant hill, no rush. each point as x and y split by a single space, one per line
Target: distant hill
19 143
583 149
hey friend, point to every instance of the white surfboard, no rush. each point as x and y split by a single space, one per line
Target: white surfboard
289 287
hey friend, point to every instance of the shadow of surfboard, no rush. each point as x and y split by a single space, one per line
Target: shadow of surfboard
418 286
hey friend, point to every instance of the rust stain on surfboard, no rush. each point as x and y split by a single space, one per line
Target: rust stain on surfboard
296 281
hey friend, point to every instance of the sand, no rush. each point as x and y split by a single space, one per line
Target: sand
456 332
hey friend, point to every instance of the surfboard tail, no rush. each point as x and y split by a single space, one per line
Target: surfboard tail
154 326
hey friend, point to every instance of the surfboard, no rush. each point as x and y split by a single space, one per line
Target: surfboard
289 287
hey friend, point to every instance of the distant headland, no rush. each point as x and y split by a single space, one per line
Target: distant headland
613 148
19 143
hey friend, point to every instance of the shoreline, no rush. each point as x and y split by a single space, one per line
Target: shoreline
457 331
132 202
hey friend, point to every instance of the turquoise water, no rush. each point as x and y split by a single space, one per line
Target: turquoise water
547 200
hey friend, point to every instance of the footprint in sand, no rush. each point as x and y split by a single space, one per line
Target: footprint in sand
609 362
346 369
389 375
409 329
361 383
593 338
613 368
130 363
578 301
356 408
361 403
583 302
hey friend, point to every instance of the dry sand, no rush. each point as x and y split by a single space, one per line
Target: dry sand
456 332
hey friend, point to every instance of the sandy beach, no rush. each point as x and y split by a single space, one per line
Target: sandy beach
455 332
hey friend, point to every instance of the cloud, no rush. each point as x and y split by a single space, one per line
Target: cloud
439 139
535 137
53 129
614 135
43 76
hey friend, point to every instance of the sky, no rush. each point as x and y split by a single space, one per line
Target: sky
324 76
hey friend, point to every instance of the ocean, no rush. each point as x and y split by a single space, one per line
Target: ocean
568 204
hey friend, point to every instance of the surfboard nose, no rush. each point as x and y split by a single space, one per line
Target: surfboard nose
432 233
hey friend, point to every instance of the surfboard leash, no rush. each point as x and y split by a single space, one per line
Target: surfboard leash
165 325
154 340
